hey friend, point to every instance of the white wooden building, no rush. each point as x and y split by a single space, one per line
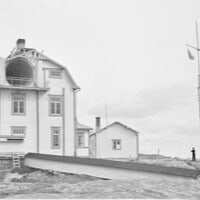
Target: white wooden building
114 141
37 104
82 138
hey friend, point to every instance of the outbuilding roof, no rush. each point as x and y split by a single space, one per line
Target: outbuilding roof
83 127
114 123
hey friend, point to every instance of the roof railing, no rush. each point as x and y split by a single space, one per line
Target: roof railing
19 81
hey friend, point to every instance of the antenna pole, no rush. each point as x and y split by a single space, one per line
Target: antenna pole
106 113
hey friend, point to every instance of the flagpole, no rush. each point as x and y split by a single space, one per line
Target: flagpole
198 65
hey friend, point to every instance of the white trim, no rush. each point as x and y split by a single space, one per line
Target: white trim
12 103
61 105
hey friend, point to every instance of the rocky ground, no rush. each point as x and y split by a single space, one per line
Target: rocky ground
37 184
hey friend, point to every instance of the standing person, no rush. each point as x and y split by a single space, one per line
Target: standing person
193 154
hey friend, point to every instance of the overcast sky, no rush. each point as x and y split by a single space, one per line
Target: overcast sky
126 55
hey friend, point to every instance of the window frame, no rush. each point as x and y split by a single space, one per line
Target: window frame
13 106
55 103
53 76
114 140
55 128
18 127
83 140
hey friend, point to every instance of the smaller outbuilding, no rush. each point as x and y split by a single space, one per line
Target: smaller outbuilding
114 141
82 140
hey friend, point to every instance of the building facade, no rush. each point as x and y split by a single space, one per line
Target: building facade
114 141
37 104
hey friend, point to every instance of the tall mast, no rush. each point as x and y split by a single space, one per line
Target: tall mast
197 38
198 64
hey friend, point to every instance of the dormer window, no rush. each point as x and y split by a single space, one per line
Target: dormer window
19 72
55 73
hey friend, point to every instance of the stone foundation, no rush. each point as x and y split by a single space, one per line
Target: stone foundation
6 163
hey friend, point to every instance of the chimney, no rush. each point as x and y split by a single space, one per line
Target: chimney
20 44
98 123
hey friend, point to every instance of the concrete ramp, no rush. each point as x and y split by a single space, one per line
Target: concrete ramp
104 168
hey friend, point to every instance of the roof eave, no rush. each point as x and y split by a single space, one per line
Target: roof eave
136 132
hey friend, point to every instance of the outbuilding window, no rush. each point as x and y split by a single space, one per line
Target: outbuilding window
18 104
55 105
55 137
116 144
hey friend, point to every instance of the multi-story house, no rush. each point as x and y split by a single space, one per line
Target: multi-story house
37 104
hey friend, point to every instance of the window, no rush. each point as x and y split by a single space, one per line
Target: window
55 137
18 104
18 130
80 140
55 105
55 73
116 144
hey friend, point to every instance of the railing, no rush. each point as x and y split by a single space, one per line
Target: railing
19 80
10 154
24 53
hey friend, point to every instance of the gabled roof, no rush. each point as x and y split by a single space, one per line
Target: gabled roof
45 58
119 123
83 127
